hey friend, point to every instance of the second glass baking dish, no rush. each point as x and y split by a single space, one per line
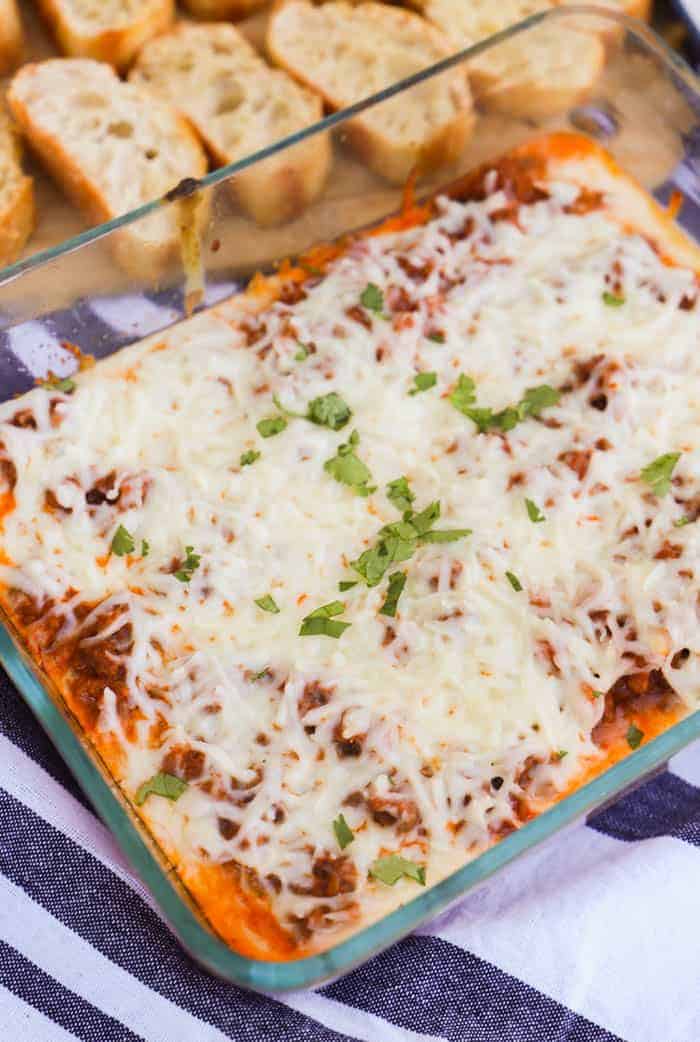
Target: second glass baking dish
643 105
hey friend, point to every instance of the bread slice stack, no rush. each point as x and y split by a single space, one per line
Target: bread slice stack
16 195
238 105
551 69
348 52
112 146
215 9
11 36
108 30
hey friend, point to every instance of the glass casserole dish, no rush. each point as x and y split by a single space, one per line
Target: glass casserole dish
641 95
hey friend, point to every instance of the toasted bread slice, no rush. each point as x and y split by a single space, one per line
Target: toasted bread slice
215 9
347 53
238 104
109 30
16 194
112 146
11 36
554 68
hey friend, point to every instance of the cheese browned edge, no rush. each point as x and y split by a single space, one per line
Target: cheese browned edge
241 916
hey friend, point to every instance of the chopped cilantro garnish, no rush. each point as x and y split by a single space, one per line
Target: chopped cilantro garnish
598 694
249 457
160 784
446 535
343 832
534 512
322 623
561 754
122 542
329 411
613 300
400 494
347 584
372 299
680 522
55 383
390 869
437 338
302 354
348 468
464 395
267 603
532 403
397 581
423 382
189 566
271 426
657 474
264 672
514 581
145 548
634 736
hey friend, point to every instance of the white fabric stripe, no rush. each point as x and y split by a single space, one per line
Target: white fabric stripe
39 351
78 966
133 315
350 1021
20 1022
687 764
609 929
29 783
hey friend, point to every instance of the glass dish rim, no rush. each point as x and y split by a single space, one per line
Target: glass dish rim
637 28
202 944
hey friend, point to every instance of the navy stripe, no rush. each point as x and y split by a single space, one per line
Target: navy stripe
112 918
14 375
84 328
17 722
59 1004
477 1001
664 806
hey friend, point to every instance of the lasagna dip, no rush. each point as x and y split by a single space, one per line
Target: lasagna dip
350 576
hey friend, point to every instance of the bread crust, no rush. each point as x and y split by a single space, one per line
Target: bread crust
11 36
213 10
117 46
392 160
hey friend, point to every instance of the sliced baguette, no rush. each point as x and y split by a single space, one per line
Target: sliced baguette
11 36
348 52
16 195
215 9
108 30
112 146
238 104
554 67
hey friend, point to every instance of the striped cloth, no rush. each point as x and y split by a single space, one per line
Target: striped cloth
591 938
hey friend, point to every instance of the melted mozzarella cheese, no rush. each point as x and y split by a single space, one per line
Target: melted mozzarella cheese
473 683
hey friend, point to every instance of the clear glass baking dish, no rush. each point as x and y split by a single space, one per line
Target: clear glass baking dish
644 106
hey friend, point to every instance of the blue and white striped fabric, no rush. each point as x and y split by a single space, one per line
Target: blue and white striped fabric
592 938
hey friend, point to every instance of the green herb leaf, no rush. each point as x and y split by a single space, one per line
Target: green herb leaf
612 300
680 522
265 672
348 468
343 832
561 754
464 395
390 869
445 535
657 474
322 623
160 784
514 581
122 542
437 338
347 584
329 411
189 565
397 581
534 512
249 457
400 494
425 520
372 298
55 383
598 694
302 354
634 736
267 603
423 382
271 426
536 399
145 548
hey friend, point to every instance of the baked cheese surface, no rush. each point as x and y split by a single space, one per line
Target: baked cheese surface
529 369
